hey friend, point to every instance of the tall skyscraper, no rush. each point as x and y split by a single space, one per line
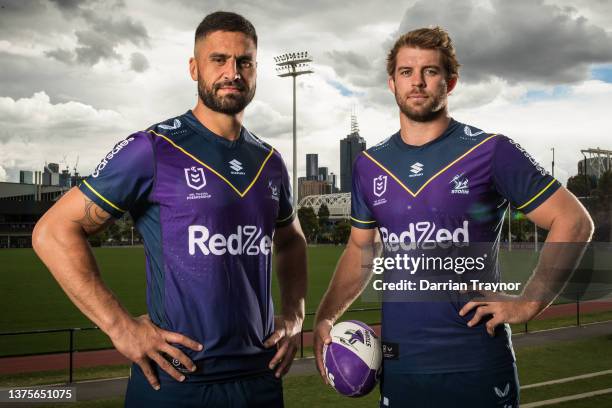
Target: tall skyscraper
312 166
26 177
51 175
350 147
323 172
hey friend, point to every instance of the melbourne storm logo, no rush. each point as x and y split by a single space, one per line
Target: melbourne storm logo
352 337
195 177
380 185
460 184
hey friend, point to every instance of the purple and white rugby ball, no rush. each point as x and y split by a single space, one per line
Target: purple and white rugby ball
353 359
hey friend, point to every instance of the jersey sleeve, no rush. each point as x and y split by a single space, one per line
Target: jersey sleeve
123 177
519 178
361 217
286 213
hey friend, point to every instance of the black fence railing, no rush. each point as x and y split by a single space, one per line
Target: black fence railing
71 350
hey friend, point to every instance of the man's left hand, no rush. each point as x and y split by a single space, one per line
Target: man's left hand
503 309
286 338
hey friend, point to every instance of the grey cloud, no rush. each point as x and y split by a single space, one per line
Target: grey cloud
138 62
94 46
62 55
69 7
100 41
519 41
347 61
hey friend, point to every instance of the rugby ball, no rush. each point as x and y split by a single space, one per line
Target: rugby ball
353 358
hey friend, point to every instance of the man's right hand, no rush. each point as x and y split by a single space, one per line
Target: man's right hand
321 336
142 341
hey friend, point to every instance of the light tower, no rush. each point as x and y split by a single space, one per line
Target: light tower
293 64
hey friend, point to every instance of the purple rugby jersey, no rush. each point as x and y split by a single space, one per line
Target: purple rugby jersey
207 209
455 188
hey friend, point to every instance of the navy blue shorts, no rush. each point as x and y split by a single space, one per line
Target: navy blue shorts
486 389
261 390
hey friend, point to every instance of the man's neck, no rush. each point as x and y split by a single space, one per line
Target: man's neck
419 133
226 126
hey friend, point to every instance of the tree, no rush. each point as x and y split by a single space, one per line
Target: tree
341 232
580 185
309 223
323 215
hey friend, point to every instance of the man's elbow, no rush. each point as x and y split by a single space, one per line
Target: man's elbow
38 234
583 227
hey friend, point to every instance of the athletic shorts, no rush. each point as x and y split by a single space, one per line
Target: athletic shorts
486 389
260 390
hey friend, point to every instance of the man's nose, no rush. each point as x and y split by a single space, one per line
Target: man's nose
231 69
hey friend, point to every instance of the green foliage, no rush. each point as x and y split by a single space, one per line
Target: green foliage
341 232
309 223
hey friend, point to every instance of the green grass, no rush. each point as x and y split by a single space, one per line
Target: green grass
536 364
31 299
61 376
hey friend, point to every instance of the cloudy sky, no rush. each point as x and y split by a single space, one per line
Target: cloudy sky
79 75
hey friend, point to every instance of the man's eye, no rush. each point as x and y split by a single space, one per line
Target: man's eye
246 64
405 73
218 60
431 71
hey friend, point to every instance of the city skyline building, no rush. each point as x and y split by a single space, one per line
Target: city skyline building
350 147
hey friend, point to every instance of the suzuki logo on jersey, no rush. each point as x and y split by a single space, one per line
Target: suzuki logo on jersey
175 125
380 185
236 167
195 177
460 184
426 232
416 169
110 155
468 131
248 240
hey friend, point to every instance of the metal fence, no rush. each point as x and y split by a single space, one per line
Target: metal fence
71 350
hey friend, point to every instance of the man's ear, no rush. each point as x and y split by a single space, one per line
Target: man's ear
193 68
451 83
391 84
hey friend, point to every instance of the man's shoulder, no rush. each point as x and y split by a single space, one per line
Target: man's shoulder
253 141
170 127
471 135
381 146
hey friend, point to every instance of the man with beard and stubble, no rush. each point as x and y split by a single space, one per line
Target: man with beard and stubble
441 183
210 200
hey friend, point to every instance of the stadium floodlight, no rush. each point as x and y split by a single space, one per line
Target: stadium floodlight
293 64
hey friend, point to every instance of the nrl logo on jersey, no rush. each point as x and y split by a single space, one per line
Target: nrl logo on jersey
195 177
460 184
379 185
175 125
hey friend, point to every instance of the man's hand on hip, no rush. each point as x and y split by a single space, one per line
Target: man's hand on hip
142 341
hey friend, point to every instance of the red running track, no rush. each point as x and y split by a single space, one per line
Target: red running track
60 361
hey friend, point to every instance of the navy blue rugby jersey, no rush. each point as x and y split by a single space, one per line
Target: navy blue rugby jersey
207 209
454 189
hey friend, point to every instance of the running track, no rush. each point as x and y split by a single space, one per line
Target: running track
60 361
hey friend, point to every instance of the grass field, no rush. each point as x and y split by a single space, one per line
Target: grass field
536 364
30 298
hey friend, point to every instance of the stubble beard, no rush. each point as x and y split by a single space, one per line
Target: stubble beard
431 110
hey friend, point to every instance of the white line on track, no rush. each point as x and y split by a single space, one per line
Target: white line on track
567 398
567 379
